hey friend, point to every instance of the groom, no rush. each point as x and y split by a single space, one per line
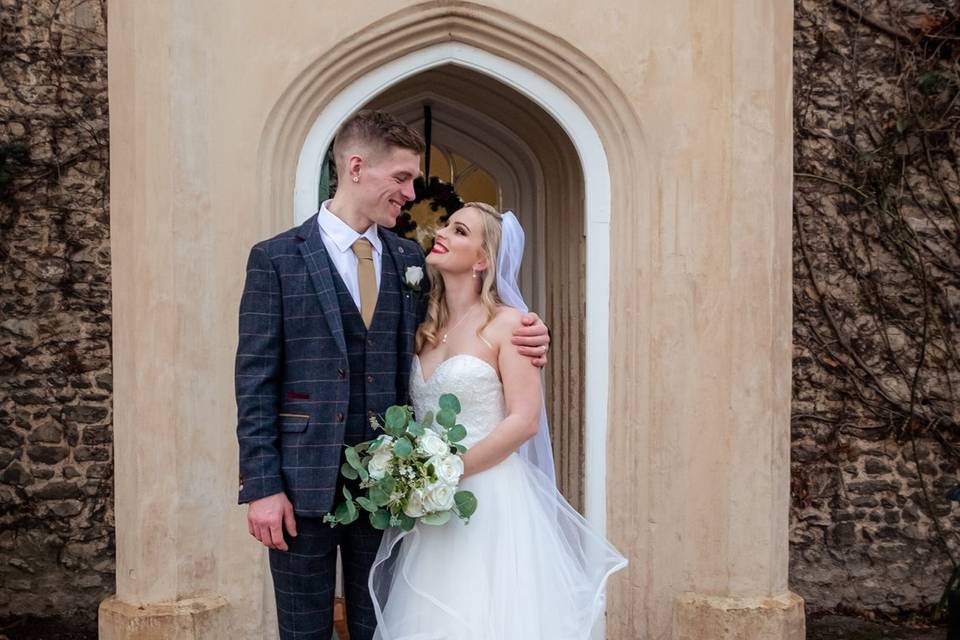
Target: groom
327 324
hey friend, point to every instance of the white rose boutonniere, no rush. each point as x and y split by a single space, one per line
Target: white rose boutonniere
412 278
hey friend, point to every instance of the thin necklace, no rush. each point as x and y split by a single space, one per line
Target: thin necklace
462 318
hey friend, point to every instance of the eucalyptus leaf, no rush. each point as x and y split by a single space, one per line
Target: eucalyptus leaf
446 418
347 494
367 504
380 519
352 512
352 458
448 401
427 421
348 472
346 512
392 431
406 522
460 448
378 496
388 484
396 418
415 428
466 503
441 517
457 433
403 448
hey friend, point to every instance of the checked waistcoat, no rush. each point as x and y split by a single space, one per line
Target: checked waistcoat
371 353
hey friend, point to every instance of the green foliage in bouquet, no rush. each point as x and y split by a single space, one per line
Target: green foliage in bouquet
408 473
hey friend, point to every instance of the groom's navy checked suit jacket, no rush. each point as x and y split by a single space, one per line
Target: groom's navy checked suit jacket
292 370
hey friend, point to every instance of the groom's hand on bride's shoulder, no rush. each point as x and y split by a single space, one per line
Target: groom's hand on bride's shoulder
532 339
267 517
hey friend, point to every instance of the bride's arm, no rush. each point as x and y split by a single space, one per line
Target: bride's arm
522 393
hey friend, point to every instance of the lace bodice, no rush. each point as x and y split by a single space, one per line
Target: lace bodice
476 385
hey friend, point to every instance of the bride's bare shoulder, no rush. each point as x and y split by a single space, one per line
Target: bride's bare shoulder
505 320
507 317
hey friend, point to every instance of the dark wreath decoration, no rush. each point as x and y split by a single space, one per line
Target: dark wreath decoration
438 194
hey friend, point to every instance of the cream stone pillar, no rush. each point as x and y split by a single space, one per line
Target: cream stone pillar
699 471
185 568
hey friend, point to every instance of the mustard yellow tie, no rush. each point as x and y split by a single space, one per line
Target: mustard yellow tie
367 277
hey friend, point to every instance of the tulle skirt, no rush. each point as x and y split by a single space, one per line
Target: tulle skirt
526 567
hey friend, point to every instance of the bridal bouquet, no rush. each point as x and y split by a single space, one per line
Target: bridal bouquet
410 472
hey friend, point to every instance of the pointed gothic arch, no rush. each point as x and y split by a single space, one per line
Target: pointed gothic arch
605 132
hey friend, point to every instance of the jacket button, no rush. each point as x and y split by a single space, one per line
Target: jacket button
339 416
370 379
341 373
370 342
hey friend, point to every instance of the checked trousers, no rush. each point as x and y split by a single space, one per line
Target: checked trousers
304 579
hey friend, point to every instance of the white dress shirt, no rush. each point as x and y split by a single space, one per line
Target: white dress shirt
338 237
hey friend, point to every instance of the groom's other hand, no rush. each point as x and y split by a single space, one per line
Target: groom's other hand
267 517
532 339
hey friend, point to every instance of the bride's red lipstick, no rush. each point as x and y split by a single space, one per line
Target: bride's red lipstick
439 245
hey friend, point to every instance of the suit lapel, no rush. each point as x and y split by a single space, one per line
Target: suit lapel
318 266
397 253
408 316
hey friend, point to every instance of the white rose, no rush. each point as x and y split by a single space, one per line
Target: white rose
380 462
415 507
413 276
438 497
384 442
448 468
433 445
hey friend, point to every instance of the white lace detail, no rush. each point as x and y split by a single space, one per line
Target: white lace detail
476 385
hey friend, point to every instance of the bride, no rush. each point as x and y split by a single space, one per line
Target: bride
526 566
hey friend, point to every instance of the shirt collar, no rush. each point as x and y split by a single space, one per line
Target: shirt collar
342 234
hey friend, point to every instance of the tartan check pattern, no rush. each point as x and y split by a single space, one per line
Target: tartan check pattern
293 375
304 579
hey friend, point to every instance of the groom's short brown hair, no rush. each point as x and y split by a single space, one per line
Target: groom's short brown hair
375 132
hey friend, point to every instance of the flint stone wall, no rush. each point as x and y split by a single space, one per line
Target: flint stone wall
876 293
56 467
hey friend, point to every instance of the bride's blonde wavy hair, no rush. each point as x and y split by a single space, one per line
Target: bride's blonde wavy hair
437 313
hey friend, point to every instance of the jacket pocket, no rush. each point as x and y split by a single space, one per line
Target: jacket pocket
293 422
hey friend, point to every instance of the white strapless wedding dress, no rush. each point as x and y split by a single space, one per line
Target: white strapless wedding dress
526 567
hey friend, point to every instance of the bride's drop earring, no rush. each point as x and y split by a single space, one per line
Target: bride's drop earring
474 274
356 178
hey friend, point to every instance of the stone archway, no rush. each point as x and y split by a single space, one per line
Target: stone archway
496 46
368 79
216 111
